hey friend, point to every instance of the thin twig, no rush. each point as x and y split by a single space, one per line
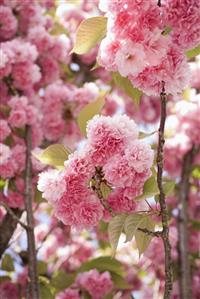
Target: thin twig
33 276
97 188
159 3
7 228
151 233
163 207
148 204
45 237
185 267
10 211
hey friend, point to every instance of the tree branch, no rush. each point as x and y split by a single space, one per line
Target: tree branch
151 233
97 189
185 268
33 276
163 207
10 211
7 228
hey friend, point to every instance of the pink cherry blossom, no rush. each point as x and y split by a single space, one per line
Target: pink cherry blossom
68 294
98 285
4 129
8 23
52 184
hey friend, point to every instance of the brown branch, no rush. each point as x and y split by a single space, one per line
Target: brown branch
151 233
99 178
10 211
7 228
163 207
33 276
184 188
159 3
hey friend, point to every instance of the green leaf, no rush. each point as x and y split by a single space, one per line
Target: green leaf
89 111
85 294
142 239
105 190
42 267
119 281
167 30
7 263
196 172
58 29
61 280
168 187
150 188
103 263
126 86
145 135
194 52
89 33
2 184
54 155
195 224
38 196
115 228
131 224
45 288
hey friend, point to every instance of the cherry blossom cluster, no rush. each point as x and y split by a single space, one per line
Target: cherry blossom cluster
60 107
113 155
33 90
96 284
136 44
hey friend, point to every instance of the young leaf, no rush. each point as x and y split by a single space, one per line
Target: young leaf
142 239
89 111
115 229
105 190
42 267
7 263
53 155
125 85
168 187
89 33
45 288
194 52
145 135
119 281
150 188
61 280
131 224
103 263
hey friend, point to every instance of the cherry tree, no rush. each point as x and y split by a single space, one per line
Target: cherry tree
99 152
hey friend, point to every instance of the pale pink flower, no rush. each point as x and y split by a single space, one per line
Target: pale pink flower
139 155
68 294
184 18
97 284
173 70
5 153
40 38
17 118
130 59
49 68
53 127
14 200
119 202
25 75
4 129
8 23
52 184
88 213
